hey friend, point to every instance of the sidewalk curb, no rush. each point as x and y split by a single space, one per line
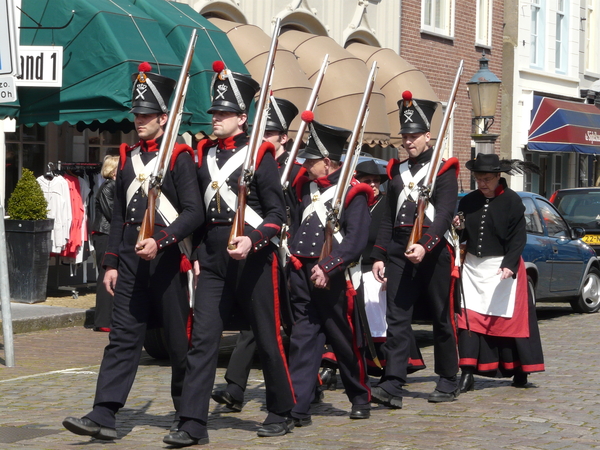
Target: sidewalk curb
51 321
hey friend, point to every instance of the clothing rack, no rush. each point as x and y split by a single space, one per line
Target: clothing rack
88 166
57 268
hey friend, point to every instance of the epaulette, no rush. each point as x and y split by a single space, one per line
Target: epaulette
301 173
203 145
300 182
124 149
449 164
177 150
357 189
390 166
266 147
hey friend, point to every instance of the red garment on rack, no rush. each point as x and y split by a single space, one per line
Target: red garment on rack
77 217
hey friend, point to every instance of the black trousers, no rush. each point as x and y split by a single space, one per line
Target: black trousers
324 315
224 285
104 301
240 364
146 291
428 282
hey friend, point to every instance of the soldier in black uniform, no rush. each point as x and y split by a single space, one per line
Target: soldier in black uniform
322 294
281 114
145 278
242 279
420 272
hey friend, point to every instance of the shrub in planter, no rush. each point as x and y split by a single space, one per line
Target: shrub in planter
28 235
27 202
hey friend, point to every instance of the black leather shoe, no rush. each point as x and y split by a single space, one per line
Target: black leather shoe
87 427
329 378
520 380
360 412
381 396
439 397
319 395
183 439
276 429
304 422
467 382
224 398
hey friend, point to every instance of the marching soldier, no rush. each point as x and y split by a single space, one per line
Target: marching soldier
421 272
145 279
244 278
321 292
281 114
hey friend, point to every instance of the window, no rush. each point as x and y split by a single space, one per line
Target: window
537 34
26 147
554 223
101 144
592 37
484 23
437 16
560 52
558 168
533 224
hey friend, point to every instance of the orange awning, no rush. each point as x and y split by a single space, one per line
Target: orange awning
343 85
252 45
395 76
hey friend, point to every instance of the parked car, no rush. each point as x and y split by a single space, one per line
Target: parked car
560 266
581 208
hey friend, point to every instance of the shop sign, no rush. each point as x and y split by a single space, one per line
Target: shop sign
8 91
8 38
40 66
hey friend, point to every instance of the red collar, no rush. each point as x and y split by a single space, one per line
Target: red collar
232 142
152 145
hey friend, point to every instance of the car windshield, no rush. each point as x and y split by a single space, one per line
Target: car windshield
580 209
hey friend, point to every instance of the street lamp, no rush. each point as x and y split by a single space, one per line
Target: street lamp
483 91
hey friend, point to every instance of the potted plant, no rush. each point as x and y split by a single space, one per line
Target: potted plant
28 240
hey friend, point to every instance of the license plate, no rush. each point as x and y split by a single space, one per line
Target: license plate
591 239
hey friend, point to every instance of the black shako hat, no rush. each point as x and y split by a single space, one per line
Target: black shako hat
231 91
415 114
151 92
325 141
490 163
370 167
281 114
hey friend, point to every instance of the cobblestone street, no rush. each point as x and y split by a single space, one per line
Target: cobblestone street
56 373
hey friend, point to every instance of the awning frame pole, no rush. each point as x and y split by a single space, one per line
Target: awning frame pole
7 329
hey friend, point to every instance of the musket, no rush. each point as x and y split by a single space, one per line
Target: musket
347 169
430 177
312 102
256 138
168 142
346 175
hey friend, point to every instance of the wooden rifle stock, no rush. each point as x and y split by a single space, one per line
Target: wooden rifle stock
427 188
168 142
147 227
256 138
417 231
237 229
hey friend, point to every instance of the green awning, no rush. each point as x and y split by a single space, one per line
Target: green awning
176 21
104 42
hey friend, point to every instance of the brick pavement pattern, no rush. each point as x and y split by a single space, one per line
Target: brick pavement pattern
57 369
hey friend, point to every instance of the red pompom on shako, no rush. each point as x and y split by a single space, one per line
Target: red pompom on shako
218 66
144 67
407 96
308 116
